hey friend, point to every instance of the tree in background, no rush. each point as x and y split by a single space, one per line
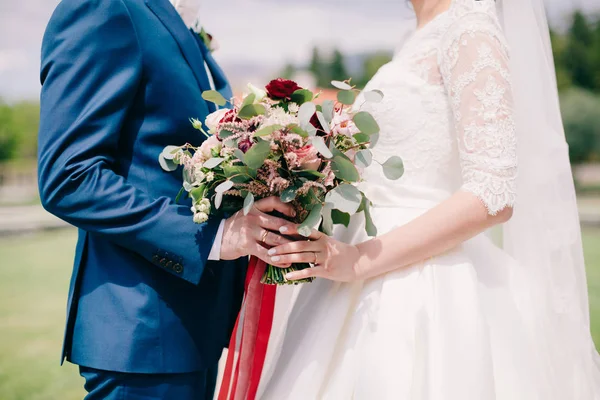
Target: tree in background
320 69
288 71
9 139
577 57
581 118
18 130
371 65
337 68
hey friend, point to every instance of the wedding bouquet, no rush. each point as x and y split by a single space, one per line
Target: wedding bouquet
279 142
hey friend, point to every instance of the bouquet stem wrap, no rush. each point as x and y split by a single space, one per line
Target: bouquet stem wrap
242 376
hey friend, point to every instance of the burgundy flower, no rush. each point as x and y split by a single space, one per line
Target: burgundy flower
231 116
245 145
280 89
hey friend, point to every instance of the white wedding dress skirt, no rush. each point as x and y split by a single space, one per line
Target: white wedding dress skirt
463 325
443 329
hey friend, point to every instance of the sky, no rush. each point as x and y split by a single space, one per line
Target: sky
257 37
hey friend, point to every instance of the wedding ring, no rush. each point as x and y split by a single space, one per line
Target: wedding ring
264 237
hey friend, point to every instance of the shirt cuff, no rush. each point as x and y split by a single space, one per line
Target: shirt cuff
215 252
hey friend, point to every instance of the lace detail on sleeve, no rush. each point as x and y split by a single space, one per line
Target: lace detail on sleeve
474 66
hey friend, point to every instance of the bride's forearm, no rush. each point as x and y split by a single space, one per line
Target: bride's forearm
442 228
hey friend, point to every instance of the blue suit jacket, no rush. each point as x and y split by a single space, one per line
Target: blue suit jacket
120 80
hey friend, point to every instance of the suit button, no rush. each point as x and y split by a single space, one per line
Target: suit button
178 268
163 262
156 259
169 265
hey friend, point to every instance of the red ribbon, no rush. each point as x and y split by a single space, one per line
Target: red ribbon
259 306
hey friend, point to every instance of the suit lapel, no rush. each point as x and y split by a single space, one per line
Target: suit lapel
167 14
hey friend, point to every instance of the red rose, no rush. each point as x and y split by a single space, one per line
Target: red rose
282 89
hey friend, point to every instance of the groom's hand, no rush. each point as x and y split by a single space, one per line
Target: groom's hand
254 234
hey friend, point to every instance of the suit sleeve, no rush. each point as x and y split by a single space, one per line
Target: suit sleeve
91 72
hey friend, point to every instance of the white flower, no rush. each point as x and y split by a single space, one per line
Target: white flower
196 123
293 108
210 177
205 202
344 125
208 145
212 121
199 175
259 93
278 116
203 207
200 217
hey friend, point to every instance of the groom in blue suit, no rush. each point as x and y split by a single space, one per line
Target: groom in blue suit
151 306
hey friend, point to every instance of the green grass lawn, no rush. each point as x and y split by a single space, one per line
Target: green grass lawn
34 279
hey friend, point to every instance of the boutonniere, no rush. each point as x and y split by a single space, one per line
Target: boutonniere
208 39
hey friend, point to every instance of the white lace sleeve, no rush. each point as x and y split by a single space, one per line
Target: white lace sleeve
474 66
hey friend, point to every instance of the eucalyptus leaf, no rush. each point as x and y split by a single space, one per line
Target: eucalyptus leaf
374 96
328 108
341 85
362 138
346 97
214 97
238 173
167 165
170 151
248 203
218 199
321 147
306 227
366 123
305 113
224 134
299 131
252 110
239 155
340 218
248 100
309 174
225 186
370 227
393 168
312 131
345 198
327 219
268 130
374 140
363 158
257 154
213 162
323 122
301 96
289 194
344 169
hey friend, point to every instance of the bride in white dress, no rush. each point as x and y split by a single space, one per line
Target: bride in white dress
432 309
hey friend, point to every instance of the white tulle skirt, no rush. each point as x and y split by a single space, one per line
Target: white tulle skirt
443 329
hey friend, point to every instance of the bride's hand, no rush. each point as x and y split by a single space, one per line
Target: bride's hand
332 259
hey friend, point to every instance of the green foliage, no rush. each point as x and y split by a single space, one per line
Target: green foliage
19 125
337 69
581 118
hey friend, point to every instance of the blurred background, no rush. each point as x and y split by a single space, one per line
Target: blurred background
310 41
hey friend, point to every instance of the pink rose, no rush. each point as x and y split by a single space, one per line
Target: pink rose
206 147
307 157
